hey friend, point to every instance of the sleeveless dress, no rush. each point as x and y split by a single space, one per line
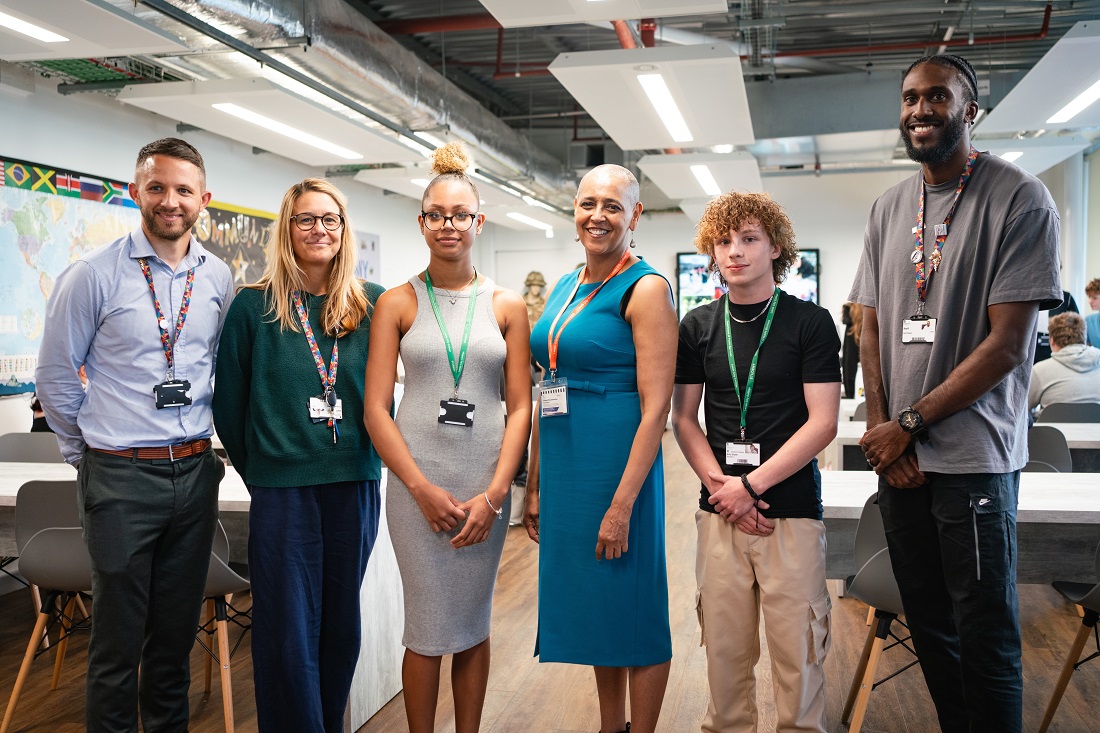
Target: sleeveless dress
597 612
448 592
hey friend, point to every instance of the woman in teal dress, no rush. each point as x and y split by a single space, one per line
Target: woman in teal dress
610 331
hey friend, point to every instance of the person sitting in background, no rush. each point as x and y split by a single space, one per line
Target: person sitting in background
1042 348
1072 374
1092 320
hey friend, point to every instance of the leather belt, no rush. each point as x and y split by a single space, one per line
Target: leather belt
170 452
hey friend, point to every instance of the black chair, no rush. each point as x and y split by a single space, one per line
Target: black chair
1070 412
1087 596
1047 444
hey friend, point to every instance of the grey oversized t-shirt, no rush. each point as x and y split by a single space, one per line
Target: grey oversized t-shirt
1002 247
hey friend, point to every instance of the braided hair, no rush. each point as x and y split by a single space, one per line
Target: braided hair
959 65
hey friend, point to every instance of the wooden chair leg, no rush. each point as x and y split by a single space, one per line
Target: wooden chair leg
82 607
1083 635
870 615
209 659
24 668
226 670
36 600
63 643
857 677
868 682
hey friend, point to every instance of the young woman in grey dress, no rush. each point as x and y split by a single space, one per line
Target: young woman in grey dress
450 452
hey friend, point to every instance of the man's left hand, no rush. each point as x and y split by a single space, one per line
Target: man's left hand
884 444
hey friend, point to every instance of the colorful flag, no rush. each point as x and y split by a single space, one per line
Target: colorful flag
1 173
16 174
117 194
91 188
43 180
68 184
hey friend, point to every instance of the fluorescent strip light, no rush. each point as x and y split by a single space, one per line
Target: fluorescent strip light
30 29
414 145
422 182
706 180
1013 156
530 201
286 130
661 99
1080 102
524 219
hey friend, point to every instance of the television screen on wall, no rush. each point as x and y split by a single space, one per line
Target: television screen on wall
696 285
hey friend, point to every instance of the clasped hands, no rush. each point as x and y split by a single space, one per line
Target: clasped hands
889 452
730 499
444 512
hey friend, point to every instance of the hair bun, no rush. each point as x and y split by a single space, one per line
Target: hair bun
451 158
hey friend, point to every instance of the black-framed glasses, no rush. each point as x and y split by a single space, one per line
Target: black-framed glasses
462 221
306 222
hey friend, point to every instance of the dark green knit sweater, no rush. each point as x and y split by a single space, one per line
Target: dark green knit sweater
265 376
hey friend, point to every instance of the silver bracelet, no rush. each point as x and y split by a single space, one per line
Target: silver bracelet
500 512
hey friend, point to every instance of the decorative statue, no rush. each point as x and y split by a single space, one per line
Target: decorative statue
533 295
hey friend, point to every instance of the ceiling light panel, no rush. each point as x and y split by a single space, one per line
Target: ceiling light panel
92 29
521 13
673 174
334 136
1070 67
1035 154
704 82
413 179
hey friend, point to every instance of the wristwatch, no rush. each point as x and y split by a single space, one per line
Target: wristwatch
912 423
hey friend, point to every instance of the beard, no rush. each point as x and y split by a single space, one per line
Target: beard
158 229
941 152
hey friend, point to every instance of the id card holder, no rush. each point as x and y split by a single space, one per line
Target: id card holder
321 411
742 453
173 393
918 329
456 412
554 397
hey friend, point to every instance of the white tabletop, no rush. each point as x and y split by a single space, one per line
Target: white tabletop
232 495
1078 434
1058 498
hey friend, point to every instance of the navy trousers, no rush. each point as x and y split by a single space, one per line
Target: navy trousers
953 550
149 526
307 554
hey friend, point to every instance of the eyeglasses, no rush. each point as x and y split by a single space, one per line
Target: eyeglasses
306 222
462 221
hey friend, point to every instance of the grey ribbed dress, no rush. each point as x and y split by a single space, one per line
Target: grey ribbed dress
448 592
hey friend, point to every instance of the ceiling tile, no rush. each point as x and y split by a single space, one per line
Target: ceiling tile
518 13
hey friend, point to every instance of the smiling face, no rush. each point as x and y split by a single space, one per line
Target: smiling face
744 259
318 246
605 212
1094 301
171 193
934 114
449 197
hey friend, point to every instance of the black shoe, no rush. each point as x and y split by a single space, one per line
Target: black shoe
625 731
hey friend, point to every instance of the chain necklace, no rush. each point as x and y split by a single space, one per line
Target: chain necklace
754 317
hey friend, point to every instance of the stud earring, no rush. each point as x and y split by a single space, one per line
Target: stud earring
577 238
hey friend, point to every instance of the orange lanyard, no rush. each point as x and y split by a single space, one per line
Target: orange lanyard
551 339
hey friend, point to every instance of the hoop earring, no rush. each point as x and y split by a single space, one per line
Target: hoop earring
632 243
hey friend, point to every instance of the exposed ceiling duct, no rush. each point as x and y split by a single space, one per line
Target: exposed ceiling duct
331 43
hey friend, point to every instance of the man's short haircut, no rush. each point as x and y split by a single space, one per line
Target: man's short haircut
172 147
1067 329
958 64
1093 288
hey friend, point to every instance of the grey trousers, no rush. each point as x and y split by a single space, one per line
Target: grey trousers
149 526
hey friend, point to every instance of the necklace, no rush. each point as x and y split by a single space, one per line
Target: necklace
454 298
754 317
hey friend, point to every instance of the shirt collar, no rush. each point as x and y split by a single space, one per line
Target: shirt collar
141 247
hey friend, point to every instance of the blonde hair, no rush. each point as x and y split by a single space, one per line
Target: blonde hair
732 210
450 163
346 305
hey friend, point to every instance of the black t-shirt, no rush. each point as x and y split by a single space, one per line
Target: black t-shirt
802 347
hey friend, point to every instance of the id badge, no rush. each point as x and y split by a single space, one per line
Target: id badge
742 453
554 397
173 393
456 412
321 411
918 330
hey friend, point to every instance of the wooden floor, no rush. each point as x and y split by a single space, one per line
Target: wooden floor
554 698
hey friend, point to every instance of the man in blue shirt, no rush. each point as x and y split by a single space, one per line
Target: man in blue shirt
143 314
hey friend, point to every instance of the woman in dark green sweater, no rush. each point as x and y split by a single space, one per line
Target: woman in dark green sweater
288 407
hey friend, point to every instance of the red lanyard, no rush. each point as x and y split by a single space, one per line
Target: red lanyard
166 341
923 276
551 339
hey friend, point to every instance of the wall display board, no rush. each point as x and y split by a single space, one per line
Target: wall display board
50 217
696 284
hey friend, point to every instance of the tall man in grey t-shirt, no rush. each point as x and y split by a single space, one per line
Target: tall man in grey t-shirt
957 262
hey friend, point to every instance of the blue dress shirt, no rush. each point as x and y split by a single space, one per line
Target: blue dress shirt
1092 329
101 314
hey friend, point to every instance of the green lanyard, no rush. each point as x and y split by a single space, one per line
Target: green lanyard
456 365
744 404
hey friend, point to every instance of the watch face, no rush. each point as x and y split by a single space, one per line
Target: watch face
909 419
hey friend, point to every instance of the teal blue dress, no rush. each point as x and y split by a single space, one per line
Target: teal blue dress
611 613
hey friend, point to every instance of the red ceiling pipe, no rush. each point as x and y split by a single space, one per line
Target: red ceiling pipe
409 26
912 46
500 73
622 30
647 27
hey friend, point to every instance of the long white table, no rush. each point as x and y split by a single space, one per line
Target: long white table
1058 523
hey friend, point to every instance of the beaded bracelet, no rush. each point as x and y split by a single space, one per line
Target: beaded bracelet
500 512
